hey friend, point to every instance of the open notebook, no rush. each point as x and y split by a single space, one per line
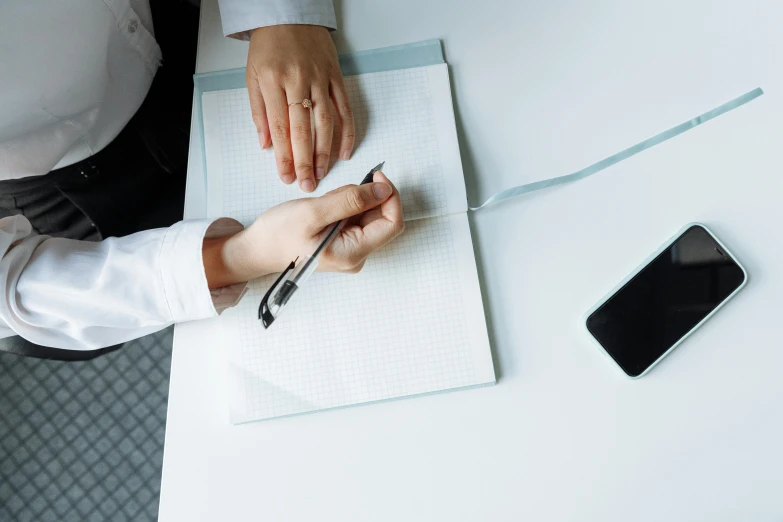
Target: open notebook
412 322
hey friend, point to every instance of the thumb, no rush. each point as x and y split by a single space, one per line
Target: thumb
350 201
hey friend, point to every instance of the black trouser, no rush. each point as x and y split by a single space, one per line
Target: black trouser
138 181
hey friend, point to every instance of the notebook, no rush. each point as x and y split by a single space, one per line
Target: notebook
412 321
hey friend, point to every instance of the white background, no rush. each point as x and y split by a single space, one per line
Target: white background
542 89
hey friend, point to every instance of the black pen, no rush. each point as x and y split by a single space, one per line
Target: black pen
295 275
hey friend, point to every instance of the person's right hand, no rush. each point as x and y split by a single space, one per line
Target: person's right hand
295 228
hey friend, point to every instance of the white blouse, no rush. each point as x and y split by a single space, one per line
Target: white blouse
72 74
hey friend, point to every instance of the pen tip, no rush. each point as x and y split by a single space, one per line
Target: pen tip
379 166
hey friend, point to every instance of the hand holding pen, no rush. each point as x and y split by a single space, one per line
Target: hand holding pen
371 229
296 228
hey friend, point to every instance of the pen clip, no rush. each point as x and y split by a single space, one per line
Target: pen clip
264 314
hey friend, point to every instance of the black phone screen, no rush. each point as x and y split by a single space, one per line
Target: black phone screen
665 300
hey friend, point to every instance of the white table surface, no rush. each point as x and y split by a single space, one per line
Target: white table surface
542 89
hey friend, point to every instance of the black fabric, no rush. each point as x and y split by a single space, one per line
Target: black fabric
123 189
19 346
118 191
137 182
46 207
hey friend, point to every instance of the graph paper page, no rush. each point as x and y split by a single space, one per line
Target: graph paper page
412 321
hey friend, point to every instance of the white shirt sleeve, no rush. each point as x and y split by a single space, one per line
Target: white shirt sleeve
83 295
240 16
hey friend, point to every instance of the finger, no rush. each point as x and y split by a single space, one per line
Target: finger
339 189
343 106
258 111
301 138
324 127
354 220
391 209
358 242
336 133
331 208
382 229
277 116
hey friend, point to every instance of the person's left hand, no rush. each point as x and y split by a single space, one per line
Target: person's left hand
286 64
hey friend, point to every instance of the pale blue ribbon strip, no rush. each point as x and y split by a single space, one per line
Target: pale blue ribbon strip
625 154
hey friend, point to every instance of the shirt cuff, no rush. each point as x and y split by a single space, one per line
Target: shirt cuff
239 17
182 270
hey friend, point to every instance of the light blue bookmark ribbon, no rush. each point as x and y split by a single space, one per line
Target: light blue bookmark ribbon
625 154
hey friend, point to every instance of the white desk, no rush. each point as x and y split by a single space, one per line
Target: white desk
542 90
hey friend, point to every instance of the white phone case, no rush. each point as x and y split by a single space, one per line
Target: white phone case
639 269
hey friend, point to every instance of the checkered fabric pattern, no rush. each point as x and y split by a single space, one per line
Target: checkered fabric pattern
83 441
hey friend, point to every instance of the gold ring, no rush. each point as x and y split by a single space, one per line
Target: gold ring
306 103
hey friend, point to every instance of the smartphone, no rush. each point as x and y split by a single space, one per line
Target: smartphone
663 301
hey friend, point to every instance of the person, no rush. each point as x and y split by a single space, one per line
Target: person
93 148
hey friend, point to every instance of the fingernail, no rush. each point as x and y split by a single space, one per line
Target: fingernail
319 173
288 179
381 190
308 185
262 140
346 155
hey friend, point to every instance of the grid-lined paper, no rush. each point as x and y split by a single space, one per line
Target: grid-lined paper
412 321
